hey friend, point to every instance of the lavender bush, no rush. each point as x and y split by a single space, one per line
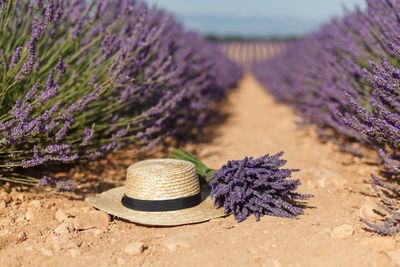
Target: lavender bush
346 78
251 186
82 78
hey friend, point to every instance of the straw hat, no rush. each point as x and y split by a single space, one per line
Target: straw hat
159 192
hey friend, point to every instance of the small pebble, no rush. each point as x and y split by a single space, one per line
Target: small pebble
62 230
73 212
95 231
121 261
328 178
21 237
5 196
29 215
366 210
3 204
60 243
343 231
134 248
60 215
92 219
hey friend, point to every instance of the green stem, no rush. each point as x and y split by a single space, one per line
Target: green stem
205 173
17 181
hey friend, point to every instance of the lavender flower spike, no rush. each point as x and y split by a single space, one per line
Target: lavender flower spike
251 186
45 181
63 186
59 185
85 78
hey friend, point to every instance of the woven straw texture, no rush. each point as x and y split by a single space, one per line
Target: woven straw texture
159 179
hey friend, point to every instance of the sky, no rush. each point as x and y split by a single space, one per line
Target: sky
263 18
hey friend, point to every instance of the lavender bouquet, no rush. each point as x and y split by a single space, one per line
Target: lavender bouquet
251 186
83 78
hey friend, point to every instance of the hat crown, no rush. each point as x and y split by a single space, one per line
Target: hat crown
161 179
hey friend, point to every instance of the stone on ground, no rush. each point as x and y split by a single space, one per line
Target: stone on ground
134 248
91 219
342 231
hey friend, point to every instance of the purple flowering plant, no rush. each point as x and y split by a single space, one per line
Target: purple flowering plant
346 79
59 185
251 186
83 78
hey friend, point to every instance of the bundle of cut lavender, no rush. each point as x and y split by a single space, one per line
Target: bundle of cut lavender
251 186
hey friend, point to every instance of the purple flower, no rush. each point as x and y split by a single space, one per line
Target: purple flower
27 67
63 186
39 3
257 187
251 186
346 78
37 30
61 67
3 4
46 181
62 132
21 110
59 185
50 89
16 57
50 10
32 92
134 73
87 135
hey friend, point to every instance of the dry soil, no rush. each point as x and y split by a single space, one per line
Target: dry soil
49 229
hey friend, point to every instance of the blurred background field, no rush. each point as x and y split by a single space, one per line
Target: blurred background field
255 19
255 31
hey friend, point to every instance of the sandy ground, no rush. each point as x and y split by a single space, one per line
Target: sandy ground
39 229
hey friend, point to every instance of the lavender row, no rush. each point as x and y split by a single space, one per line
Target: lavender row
346 79
83 78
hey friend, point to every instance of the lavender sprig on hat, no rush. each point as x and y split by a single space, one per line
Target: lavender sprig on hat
258 186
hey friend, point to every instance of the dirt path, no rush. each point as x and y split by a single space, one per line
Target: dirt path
31 235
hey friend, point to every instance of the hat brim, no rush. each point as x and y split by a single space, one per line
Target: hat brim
110 202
